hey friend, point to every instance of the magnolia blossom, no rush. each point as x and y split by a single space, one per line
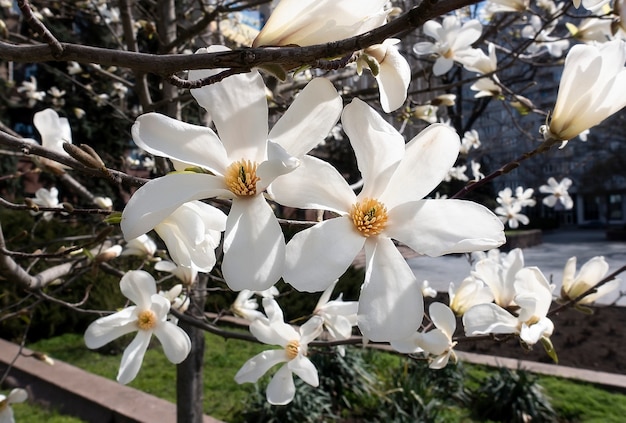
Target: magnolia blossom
498 272
470 292
147 317
178 301
396 178
309 22
426 112
30 91
192 233
524 197
246 307
238 165
452 40
496 6
591 30
540 34
512 215
487 87
475 60
470 140
477 175
558 193
103 202
533 296
437 342
46 198
186 275
142 246
15 396
294 343
427 290
591 88
54 131
592 5
339 316
457 173
592 272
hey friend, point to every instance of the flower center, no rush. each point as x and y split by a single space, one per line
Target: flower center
292 348
146 320
241 179
369 216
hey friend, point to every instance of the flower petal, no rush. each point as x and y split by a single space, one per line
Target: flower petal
258 365
317 256
443 318
133 357
106 329
434 342
238 107
391 305
393 80
438 227
175 341
138 286
309 119
408 345
489 318
281 389
305 370
254 245
160 197
167 137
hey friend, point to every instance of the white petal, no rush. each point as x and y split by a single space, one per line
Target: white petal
311 329
53 129
377 145
167 137
533 333
489 318
238 107
106 329
133 357
281 389
391 305
278 163
437 227
160 197
315 184
393 80
258 365
309 119
427 160
317 256
138 286
305 370
443 318
176 343
254 246
409 345
17 395
434 342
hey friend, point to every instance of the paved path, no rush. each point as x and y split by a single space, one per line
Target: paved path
550 257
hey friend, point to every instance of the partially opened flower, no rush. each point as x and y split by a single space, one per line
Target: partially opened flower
15 396
487 87
186 275
591 88
558 193
591 273
539 33
142 246
148 316
470 292
246 307
498 272
54 131
294 343
437 342
238 165
391 204
339 316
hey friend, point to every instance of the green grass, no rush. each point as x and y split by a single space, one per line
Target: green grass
574 401
27 412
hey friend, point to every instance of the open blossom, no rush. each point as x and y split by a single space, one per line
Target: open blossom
452 40
558 193
396 178
294 343
539 33
148 316
511 214
475 60
186 275
591 88
589 275
309 22
487 87
470 292
437 342
533 296
239 165
46 198
498 271
470 140
339 316
54 131
246 307
30 91
15 396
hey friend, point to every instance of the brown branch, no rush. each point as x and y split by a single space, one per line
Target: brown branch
56 48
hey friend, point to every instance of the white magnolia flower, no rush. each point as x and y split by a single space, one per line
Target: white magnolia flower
103 202
54 132
294 343
470 140
46 198
142 246
178 301
119 90
452 40
477 175
396 178
147 317
591 5
456 173
309 22
426 112
534 297
427 290
525 197
591 87
558 193
470 293
240 164
437 342
74 68
591 30
592 272
498 272
246 307
511 214
186 275
15 396
486 87
30 91
539 33
192 233
496 6
391 70
339 316
475 60
101 99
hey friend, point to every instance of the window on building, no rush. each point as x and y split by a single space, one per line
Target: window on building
616 211
591 208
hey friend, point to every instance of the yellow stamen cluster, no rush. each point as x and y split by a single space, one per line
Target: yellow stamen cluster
241 179
369 216
292 349
146 320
